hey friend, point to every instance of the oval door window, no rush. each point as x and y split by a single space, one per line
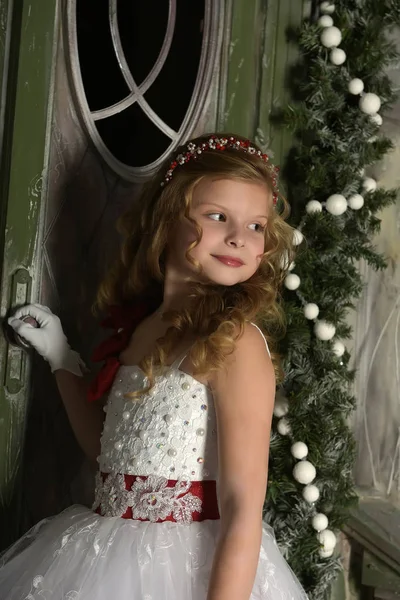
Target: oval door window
141 73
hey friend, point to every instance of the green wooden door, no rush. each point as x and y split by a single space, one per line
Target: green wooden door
27 51
258 59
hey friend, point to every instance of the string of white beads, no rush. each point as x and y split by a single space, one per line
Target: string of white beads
292 281
304 472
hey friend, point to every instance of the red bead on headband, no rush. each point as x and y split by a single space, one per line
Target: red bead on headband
215 143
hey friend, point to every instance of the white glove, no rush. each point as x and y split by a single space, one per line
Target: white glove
48 339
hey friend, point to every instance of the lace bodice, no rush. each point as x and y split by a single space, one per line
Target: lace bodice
169 432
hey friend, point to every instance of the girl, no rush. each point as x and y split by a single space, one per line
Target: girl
189 384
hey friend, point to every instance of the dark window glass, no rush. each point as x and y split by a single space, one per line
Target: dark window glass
102 79
131 135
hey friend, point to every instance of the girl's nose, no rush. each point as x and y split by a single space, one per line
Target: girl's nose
235 239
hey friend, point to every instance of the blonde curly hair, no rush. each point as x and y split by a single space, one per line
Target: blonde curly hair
215 314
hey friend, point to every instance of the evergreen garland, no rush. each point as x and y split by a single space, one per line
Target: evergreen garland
335 142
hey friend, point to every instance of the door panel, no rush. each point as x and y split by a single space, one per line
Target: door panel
28 70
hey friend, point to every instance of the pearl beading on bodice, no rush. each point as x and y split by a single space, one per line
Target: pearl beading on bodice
169 432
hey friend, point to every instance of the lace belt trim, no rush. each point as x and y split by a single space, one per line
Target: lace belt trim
155 498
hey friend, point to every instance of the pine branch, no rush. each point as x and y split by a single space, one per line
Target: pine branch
333 142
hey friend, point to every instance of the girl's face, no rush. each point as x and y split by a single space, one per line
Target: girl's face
233 216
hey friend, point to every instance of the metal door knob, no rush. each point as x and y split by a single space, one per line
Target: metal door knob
13 338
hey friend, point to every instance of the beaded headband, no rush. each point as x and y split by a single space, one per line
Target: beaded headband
223 143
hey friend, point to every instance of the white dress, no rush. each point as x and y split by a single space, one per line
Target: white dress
156 453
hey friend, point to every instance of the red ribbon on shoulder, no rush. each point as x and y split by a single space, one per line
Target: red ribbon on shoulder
124 320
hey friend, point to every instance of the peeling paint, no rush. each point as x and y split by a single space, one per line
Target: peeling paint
266 61
240 64
230 105
35 186
232 46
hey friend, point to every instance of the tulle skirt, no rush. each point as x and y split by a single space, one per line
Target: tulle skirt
79 555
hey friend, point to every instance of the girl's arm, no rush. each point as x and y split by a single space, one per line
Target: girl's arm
86 418
244 395
49 340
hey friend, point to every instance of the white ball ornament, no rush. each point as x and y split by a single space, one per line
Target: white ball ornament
319 522
327 8
336 204
284 262
313 207
331 37
325 553
356 86
299 450
292 281
325 21
337 56
283 426
338 348
324 331
369 184
298 237
327 539
370 104
311 311
304 472
281 406
377 119
310 493
356 201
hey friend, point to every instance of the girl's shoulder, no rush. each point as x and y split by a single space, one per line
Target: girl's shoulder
250 359
251 327
251 346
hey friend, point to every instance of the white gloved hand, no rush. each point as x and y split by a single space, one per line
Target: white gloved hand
48 339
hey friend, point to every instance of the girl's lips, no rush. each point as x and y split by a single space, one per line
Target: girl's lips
230 261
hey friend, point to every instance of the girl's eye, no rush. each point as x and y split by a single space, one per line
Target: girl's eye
258 228
216 216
